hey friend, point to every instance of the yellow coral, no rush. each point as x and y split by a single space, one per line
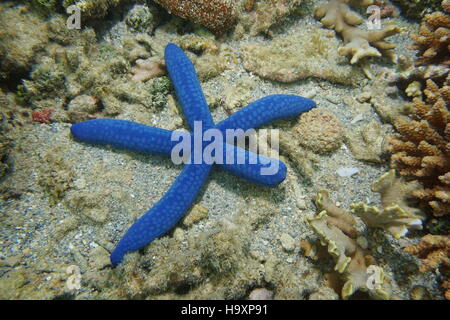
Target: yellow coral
336 230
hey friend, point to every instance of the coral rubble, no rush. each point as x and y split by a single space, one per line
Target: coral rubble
421 150
337 15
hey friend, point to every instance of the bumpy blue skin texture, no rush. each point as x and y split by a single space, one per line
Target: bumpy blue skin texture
178 199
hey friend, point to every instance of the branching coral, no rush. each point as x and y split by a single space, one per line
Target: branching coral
216 15
422 149
337 15
433 40
336 229
434 251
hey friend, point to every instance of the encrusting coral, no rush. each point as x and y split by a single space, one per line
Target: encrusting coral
433 40
396 216
434 251
337 15
422 149
287 59
336 229
216 15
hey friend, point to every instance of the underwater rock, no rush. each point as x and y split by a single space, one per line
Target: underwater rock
257 17
366 142
142 18
147 69
287 59
260 294
23 36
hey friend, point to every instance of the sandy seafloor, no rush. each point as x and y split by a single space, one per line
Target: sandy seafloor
108 189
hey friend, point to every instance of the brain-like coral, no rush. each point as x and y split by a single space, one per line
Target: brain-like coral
216 15
320 130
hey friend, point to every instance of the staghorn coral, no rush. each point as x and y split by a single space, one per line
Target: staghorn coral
337 15
434 251
433 40
336 229
288 59
421 150
320 131
396 216
216 15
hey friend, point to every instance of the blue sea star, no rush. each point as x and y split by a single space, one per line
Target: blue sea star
178 199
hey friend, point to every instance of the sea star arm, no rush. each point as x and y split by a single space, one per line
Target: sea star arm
265 110
187 87
165 213
133 136
124 134
265 171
